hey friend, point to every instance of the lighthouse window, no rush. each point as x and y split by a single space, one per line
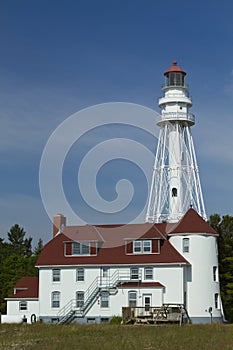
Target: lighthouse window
185 245
216 300
178 80
174 192
215 273
172 79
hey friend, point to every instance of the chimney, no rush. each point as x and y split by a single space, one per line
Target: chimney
59 221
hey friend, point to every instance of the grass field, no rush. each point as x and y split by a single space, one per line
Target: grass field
111 337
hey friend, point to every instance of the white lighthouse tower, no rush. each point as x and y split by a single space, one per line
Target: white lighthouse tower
175 181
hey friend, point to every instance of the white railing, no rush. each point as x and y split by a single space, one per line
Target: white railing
93 290
178 116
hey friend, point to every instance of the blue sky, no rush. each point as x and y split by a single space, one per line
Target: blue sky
58 57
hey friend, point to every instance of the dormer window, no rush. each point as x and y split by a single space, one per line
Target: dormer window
137 247
146 247
142 247
81 248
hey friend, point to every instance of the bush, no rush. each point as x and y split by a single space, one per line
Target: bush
116 320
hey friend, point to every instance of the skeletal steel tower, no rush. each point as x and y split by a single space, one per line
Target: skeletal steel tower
175 181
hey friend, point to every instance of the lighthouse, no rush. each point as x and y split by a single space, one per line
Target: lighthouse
175 183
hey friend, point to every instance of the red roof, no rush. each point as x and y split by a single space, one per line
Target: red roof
26 287
175 68
112 248
192 222
141 285
112 240
82 233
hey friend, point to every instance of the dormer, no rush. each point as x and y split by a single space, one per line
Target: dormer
80 248
142 246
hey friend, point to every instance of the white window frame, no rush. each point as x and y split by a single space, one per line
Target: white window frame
56 275
55 299
104 300
105 272
134 273
80 274
81 248
132 298
215 273
148 273
147 246
137 247
79 298
186 245
142 247
23 305
216 301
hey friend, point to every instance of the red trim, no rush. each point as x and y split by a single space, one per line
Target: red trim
141 285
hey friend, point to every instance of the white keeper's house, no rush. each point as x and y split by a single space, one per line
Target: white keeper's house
87 274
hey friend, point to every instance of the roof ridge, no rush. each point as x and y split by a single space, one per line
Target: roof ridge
98 232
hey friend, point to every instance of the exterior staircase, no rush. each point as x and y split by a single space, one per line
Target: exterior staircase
109 284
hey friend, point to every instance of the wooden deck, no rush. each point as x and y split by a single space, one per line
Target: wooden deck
168 313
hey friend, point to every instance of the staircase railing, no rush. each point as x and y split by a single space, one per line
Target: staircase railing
93 290
66 312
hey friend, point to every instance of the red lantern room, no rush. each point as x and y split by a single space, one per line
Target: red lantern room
174 76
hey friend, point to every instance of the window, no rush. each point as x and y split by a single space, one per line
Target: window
104 299
142 247
79 299
56 275
55 300
146 247
105 272
80 274
215 273
23 305
148 273
81 248
133 298
137 246
185 245
172 79
91 320
134 273
216 300
174 192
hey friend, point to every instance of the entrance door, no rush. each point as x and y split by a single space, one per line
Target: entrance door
146 300
104 276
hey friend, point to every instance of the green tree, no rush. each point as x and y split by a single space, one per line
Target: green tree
18 243
224 227
38 248
16 260
13 268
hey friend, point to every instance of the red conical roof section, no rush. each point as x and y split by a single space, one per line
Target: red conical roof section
192 222
175 68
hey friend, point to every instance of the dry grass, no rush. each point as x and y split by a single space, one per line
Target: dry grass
106 337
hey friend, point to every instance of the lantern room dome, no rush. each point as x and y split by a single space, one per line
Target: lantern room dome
175 69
